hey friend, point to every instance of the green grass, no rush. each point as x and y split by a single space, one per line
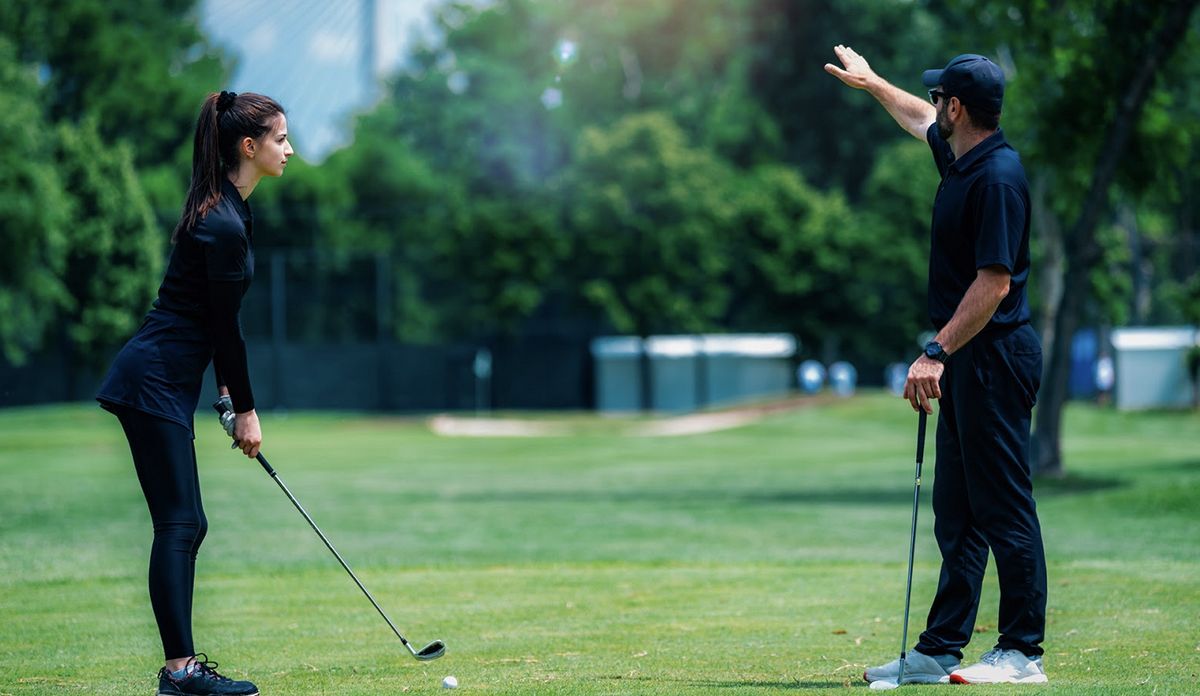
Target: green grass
765 559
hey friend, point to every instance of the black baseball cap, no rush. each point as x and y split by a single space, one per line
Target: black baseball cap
974 79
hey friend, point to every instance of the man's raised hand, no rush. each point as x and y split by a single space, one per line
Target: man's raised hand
857 72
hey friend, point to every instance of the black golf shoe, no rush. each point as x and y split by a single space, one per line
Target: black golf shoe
203 680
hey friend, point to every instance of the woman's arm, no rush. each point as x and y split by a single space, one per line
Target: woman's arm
230 359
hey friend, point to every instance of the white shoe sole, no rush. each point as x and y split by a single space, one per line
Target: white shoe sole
907 680
1031 679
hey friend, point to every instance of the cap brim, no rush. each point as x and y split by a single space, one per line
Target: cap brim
932 78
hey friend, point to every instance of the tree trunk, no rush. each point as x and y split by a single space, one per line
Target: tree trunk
1050 265
1082 252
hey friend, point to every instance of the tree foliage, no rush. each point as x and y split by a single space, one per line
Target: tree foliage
33 207
114 253
1094 88
139 68
653 219
620 165
98 105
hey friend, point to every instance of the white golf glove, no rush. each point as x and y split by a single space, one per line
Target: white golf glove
228 418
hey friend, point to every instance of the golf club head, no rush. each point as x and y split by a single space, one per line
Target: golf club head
431 652
883 684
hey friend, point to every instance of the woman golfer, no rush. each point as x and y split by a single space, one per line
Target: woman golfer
153 386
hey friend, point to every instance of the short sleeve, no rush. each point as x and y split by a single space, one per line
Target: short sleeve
1001 225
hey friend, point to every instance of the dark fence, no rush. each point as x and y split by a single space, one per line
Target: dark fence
550 373
319 331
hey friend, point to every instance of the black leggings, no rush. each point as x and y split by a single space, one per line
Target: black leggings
165 459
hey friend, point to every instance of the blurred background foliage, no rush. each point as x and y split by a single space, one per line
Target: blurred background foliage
633 166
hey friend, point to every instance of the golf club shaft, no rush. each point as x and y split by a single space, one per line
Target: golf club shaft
263 460
912 538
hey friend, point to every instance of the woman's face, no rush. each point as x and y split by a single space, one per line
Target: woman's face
272 150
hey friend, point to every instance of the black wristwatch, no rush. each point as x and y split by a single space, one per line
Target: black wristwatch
934 350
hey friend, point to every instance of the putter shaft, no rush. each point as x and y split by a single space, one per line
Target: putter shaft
912 539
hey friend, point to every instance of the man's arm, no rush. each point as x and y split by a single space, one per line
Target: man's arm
914 114
990 286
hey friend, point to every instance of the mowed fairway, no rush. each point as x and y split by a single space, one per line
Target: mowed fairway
768 558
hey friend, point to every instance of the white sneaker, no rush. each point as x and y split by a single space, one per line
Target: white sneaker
998 666
919 668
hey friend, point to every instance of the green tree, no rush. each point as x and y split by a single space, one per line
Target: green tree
654 223
1091 98
33 207
833 134
106 97
114 248
139 67
850 284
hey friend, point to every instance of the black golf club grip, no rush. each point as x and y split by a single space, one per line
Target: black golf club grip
922 418
263 460
220 408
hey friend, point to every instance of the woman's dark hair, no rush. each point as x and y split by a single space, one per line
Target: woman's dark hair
225 119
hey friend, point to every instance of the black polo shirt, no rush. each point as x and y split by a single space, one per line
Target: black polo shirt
211 268
980 218
194 321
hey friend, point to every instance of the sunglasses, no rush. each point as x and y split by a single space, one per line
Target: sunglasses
935 95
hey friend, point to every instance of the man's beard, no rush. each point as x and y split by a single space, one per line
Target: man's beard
945 129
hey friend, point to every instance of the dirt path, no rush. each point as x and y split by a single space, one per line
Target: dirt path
667 426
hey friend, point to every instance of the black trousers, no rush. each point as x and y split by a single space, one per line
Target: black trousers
983 494
165 459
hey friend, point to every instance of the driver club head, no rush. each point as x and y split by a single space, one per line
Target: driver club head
431 652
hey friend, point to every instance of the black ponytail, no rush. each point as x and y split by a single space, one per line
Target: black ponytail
225 119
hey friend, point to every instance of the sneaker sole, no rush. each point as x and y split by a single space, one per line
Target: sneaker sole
939 680
1032 679
161 693
180 693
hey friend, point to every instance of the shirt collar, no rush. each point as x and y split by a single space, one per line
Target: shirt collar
992 142
228 190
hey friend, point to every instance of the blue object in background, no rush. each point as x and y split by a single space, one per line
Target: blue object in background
811 376
1081 380
895 376
843 377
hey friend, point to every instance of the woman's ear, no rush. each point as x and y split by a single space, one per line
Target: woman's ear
247 147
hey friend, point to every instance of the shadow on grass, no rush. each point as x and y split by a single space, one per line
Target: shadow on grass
706 496
746 683
1180 466
733 684
865 496
1074 484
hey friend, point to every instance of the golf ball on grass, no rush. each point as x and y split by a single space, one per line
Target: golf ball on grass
450 682
883 684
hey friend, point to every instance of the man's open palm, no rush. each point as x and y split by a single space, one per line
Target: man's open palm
857 72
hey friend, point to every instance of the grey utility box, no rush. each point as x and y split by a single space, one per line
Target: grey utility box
1150 367
689 372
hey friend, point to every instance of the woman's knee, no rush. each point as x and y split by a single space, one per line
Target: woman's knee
189 530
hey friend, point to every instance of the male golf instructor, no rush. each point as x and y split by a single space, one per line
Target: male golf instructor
984 364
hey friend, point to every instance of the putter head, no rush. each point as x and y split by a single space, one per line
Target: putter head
431 652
